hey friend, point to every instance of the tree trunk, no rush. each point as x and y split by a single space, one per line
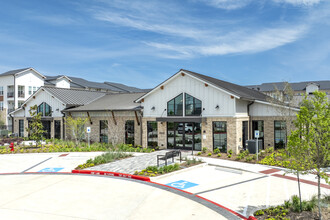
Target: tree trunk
319 193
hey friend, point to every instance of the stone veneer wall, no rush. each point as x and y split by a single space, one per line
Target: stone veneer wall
26 123
269 128
161 129
116 132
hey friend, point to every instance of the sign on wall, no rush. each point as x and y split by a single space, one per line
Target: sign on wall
88 129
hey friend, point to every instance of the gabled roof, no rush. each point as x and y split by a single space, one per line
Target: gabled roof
297 86
109 102
53 78
124 88
74 97
18 71
230 88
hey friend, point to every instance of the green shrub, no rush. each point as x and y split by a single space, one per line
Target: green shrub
199 153
216 151
270 150
219 155
230 151
209 154
229 155
204 149
258 213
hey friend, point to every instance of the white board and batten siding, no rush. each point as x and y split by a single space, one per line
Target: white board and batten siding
210 97
260 109
42 96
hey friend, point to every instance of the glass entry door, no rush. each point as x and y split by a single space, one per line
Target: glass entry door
184 136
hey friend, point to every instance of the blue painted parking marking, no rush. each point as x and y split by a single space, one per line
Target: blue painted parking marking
182 184
51 170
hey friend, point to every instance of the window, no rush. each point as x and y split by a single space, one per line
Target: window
45 109
129 132
57 129
1 106
175 106
20 103
104 131
152 134
279 134
220 135
35 89
193 106
30 90
21 91
258 125
1 90
21 128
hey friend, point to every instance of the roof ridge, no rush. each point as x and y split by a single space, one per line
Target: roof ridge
51 87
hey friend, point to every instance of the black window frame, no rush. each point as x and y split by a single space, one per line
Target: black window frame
129 132
175 111
225 139
153 137
104 131
42 108
195 111
282 133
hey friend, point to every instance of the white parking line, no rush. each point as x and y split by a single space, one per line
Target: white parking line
251 189
268 191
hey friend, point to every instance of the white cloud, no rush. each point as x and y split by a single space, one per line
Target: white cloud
299 2
249 43
227 4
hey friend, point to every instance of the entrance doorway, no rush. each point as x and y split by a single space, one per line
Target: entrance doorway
184 135
245 127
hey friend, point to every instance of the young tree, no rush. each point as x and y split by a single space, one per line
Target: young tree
309 144
76 128
35 128
115 131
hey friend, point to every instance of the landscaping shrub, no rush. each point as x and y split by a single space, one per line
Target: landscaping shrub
216 151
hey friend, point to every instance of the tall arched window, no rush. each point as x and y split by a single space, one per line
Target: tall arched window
175 106
45 109
193 106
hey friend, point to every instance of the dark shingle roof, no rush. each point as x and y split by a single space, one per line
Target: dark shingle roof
13 72
298 86
119 101
235 89
74 97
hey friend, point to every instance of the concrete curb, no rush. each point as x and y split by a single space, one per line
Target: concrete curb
106 173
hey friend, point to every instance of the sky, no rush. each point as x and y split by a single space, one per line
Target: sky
142 43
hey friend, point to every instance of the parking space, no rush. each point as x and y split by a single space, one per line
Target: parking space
59 196
53 162
241 191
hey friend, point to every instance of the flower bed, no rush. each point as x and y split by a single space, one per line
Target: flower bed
69 146
153 171
291 210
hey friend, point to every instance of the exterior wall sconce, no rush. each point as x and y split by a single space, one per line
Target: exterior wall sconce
153 108
217 107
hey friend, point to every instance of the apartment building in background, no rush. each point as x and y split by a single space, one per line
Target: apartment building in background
16 86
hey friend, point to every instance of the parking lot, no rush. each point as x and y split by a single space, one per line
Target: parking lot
41 195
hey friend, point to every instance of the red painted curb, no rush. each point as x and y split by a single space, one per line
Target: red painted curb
217 204
252 218
106 173
302 180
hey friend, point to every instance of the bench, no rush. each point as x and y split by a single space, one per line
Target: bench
168 155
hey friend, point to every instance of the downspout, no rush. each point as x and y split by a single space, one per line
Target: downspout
12 119
250 122
63 126
141 130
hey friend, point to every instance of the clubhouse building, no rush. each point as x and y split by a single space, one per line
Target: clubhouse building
187 111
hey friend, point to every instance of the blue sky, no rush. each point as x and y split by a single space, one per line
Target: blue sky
142 43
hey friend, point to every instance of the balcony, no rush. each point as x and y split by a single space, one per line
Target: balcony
21 94
10 94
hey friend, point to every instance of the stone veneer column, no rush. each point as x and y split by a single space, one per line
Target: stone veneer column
162 135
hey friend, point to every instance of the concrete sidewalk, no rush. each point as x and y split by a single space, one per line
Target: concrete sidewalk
256 168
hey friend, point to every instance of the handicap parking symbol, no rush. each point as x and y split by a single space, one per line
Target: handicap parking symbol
50 170
182 184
